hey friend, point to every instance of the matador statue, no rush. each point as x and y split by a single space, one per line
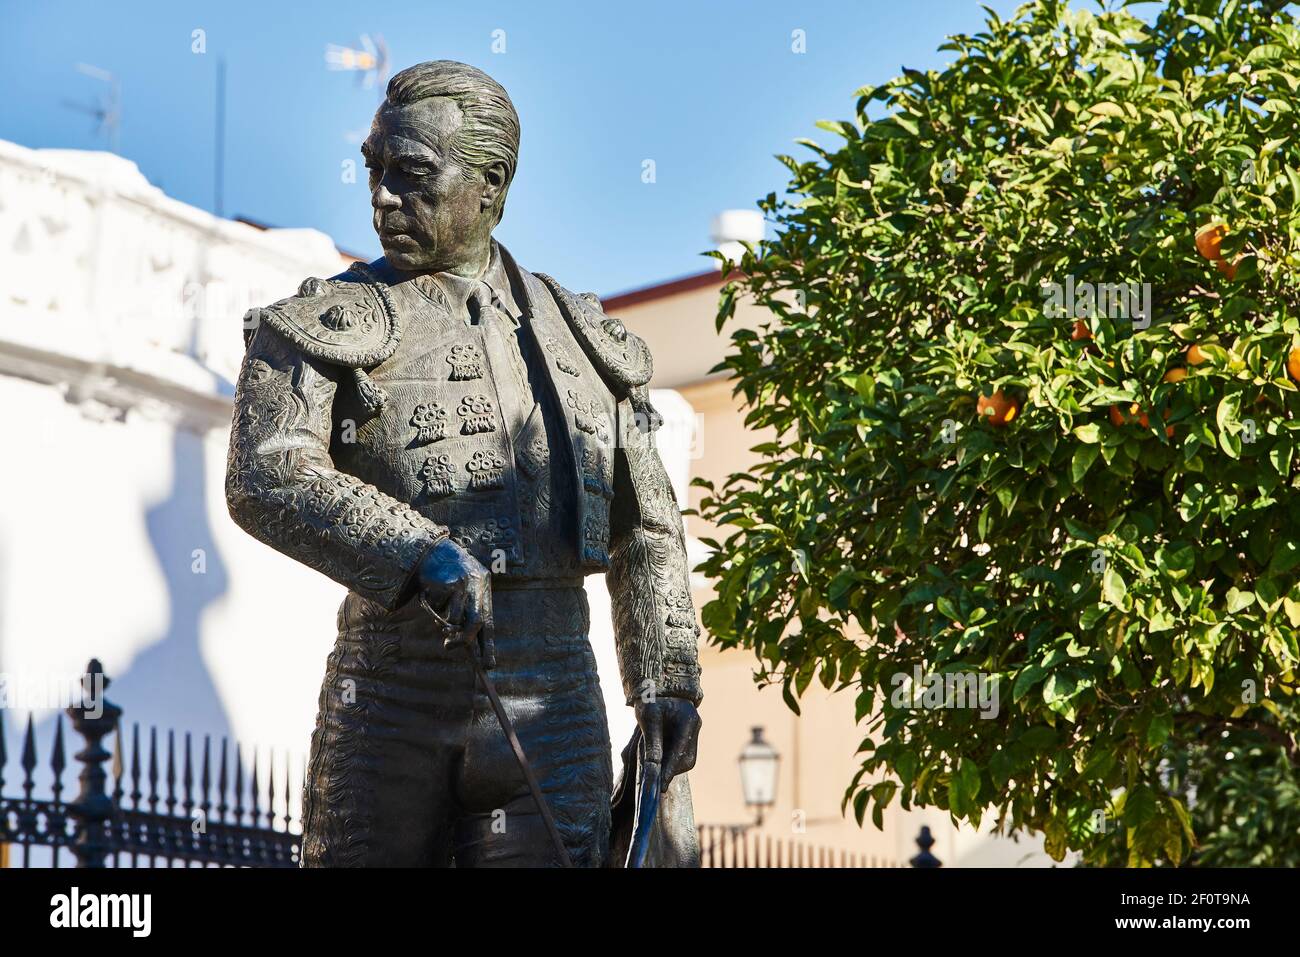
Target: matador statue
459 442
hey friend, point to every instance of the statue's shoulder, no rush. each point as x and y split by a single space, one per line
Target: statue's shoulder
347 319
621 357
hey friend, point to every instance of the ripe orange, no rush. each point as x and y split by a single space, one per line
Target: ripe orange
1228 269
1119 418
1293 364
1080 331
997 409
1209 239
1176 375
1195 356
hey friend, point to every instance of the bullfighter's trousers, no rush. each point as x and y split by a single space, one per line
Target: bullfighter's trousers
409 766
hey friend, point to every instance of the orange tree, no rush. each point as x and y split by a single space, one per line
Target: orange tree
983 464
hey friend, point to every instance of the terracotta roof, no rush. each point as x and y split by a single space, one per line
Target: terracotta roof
672 287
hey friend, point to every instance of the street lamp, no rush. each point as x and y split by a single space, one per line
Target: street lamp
758 764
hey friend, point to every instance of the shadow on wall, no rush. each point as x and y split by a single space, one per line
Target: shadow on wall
168 684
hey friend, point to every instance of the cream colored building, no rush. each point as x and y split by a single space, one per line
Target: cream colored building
817 749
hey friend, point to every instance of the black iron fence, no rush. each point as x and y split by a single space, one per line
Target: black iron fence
723 845
143 819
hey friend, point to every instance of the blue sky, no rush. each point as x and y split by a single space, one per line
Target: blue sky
710 90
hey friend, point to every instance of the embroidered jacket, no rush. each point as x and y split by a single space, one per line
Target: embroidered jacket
371 421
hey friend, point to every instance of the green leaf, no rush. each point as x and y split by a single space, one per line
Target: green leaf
1158 731
1227 412
1239 600
1099 764
1113 588
1140 806
883 794
860 801
1038 738
1056 838
1286 556
1084 456
963 787
1107 109
1027 678
1089 434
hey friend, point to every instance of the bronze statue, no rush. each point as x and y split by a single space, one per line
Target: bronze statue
459 441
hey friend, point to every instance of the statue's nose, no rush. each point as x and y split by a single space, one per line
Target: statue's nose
381 198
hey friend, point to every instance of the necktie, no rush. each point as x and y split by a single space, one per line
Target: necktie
503 347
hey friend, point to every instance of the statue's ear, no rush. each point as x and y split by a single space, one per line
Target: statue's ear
494 183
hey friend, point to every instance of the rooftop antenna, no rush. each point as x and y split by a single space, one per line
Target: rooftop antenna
219 169
369 61
108 111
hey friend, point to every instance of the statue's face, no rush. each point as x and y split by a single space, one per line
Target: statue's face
430 213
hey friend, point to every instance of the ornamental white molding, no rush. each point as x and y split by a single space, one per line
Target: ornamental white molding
129 300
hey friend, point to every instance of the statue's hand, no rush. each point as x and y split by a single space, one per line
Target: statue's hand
454 585
671 728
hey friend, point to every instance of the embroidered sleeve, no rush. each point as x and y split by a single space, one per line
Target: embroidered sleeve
649 579
283 489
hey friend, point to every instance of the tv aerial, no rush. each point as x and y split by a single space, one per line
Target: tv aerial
369 61
108 110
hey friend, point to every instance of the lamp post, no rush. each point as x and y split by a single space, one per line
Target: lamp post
758 766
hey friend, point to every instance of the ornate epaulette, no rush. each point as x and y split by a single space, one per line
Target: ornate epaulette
621 357
347 320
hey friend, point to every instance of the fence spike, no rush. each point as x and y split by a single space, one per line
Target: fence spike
187 780
58 759
257 798
288 790
135 765
4 755
28 760
58 762
239 785
153 769
171 771
222 784
119 764
206 781
270 789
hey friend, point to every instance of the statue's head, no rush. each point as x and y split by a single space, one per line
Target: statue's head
441 154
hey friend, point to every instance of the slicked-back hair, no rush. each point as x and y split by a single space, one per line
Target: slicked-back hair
489 130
